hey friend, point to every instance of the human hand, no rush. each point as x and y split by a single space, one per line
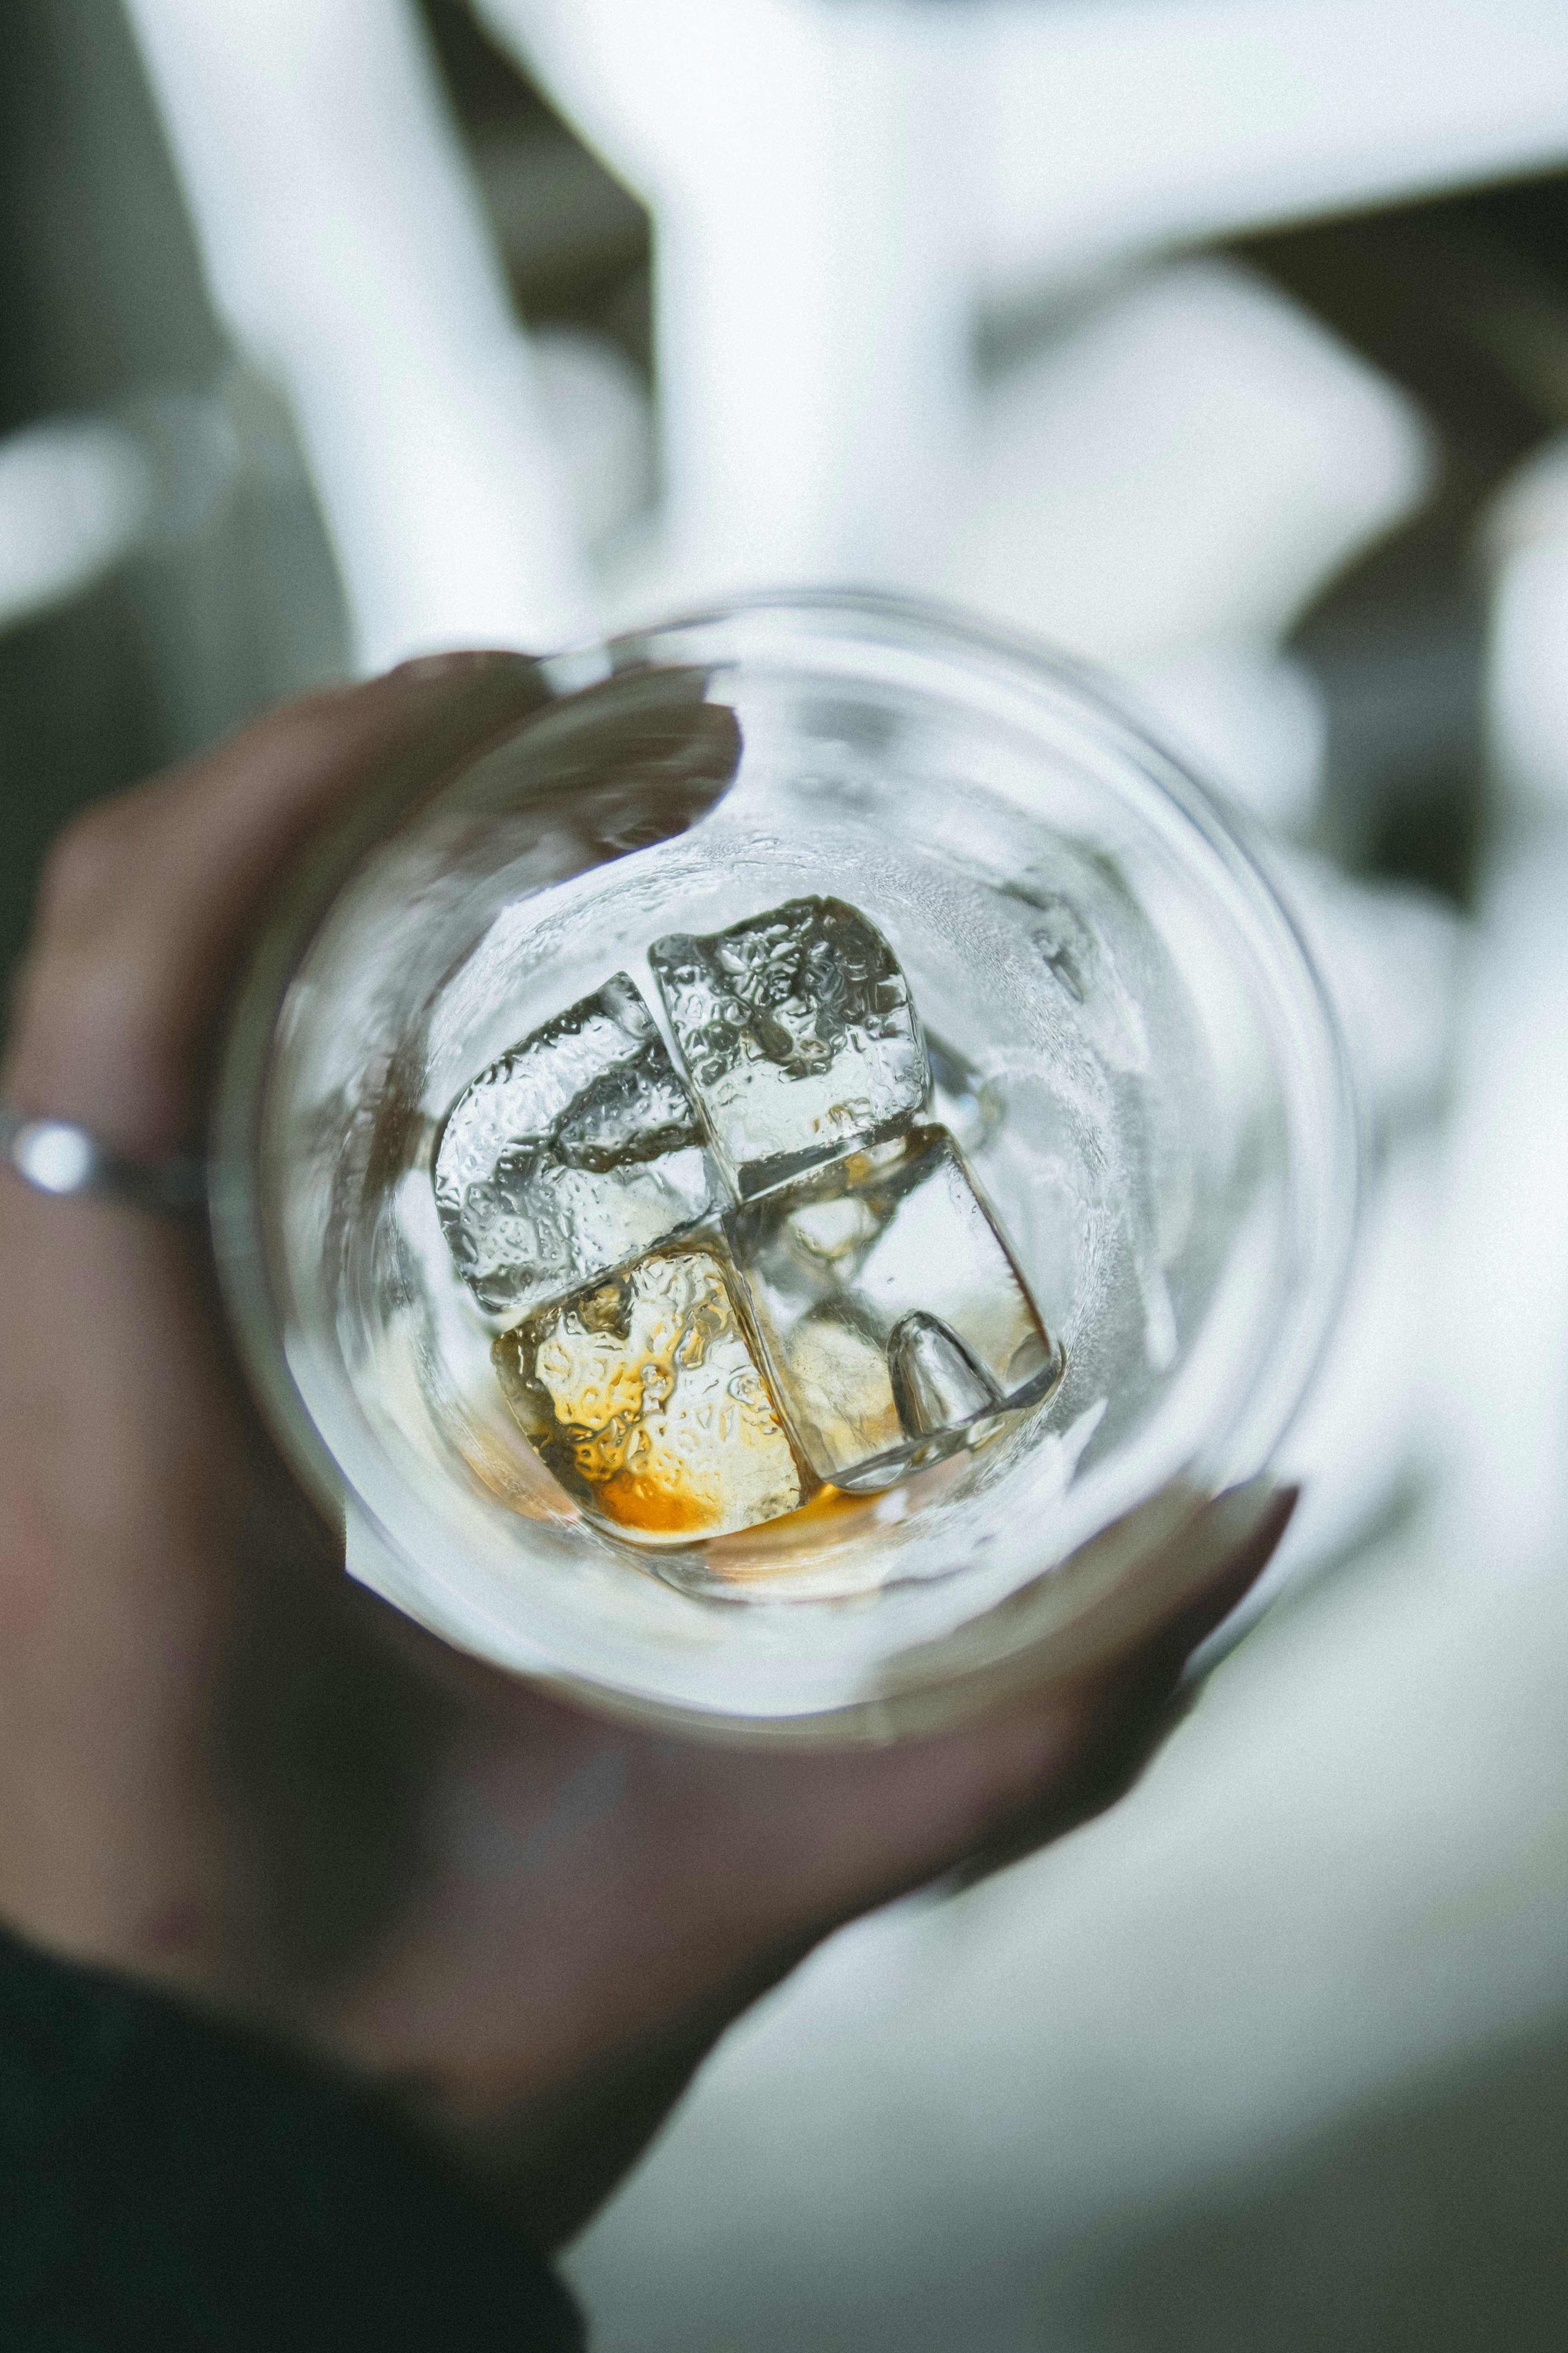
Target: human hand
227 1770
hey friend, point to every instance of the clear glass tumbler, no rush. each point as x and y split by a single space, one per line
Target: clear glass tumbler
1127 1039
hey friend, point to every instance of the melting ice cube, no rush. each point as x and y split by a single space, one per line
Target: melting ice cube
643 1396
797 1034
893 1321
577 1150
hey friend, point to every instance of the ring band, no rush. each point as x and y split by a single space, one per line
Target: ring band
56 1157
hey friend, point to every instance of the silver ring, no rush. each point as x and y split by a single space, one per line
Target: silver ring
56 1157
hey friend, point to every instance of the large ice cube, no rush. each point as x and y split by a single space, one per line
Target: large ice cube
577 1149
798 1036
643 1396
893 1321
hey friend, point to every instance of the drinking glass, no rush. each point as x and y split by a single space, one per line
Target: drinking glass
1127 1039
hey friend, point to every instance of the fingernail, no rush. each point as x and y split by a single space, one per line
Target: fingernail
1243 1529
436 694
423 670
1242 1513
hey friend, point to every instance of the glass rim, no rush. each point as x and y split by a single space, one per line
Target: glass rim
1315 1066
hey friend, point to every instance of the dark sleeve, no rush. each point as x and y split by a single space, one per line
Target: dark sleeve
167 2184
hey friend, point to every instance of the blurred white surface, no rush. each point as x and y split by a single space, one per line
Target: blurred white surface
1527 676
1185 464
809 172
1121 126
1166 483
1497 1383
836 186
596 409
348 253
77 496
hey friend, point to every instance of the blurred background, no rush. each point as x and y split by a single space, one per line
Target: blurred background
1225 342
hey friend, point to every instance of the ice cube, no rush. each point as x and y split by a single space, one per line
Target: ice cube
893 1321
577 1149
643 1395
797 1034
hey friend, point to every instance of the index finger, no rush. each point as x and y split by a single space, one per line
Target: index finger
149 903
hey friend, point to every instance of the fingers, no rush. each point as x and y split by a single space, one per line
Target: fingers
1126 1718
150 902
958 1802
1210 1567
